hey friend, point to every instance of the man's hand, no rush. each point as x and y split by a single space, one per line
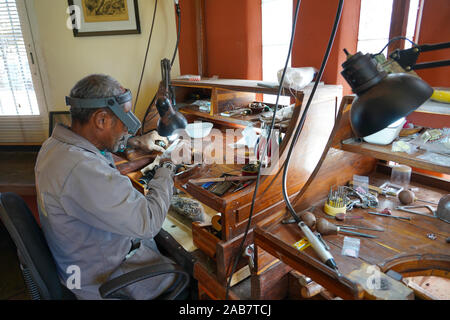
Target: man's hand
148 142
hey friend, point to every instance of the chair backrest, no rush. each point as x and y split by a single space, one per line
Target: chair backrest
37 263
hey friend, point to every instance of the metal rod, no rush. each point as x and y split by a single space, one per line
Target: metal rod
388 215
342 226
357 233
426 201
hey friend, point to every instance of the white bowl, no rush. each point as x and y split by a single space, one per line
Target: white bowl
198 129
386 135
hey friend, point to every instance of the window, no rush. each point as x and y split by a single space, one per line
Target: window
276 35
377 23
23 116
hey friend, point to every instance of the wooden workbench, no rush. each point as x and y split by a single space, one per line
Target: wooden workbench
404 246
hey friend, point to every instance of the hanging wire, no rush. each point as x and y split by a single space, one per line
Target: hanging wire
263 155
146 55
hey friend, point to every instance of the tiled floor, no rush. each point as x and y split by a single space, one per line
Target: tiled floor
12 286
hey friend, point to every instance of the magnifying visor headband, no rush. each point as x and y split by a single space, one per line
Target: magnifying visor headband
114 104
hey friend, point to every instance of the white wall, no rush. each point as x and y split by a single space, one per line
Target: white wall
66 59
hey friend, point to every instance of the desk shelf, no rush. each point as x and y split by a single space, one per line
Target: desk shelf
385 153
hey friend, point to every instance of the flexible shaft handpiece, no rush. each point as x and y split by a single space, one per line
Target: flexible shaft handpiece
318 246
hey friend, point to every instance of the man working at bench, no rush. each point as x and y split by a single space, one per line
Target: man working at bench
91 215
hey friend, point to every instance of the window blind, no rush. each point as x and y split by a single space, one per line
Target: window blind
20 116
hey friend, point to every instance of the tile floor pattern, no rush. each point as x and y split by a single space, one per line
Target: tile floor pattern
12 286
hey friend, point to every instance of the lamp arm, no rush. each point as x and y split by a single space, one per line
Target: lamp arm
432 47
407 57
434 64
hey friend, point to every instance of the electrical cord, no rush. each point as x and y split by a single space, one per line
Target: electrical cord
303 118
146 55
178 11
263 155
395 39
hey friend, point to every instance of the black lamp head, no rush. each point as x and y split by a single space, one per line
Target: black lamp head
381 98
170 120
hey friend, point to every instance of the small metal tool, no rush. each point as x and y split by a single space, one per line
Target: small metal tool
389 215
243 185
365 235
325 227
407 209
391 189
343 226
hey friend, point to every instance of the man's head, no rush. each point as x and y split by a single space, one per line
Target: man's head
100 124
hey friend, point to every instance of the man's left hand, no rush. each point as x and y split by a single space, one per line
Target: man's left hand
149 142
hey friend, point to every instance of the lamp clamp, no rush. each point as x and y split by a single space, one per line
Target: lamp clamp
407 58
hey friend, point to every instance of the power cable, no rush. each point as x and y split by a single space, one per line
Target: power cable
263 155
396 39
146 55
178 12
302 119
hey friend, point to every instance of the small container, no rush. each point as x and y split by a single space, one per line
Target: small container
401 175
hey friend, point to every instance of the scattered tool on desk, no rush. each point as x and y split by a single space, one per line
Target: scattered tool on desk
407 197
325 227
391 189
442 212
431 236
222 179
343 216
345 226
319 247
408 209
336 202
381 191
306 216
243 185
220 188
388 215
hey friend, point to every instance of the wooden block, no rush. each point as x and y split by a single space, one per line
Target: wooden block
379 286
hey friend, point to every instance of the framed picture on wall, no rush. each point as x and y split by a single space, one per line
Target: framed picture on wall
89 18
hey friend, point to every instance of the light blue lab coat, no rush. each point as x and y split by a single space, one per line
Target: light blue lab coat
90 214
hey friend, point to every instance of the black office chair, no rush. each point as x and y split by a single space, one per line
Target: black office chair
39 268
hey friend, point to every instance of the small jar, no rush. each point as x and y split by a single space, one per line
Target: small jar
401 175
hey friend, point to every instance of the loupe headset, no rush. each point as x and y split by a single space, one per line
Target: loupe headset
114 104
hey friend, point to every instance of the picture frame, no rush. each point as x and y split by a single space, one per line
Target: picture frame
112 17
55 117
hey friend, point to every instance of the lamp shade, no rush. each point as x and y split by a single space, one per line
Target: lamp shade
170 120
381 98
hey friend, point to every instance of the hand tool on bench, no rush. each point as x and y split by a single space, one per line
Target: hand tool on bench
408 209
325 227
306 216
353 227
222 179
407 197
319 247
388 215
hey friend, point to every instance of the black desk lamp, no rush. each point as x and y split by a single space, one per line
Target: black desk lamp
384 98
381 98
170 120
